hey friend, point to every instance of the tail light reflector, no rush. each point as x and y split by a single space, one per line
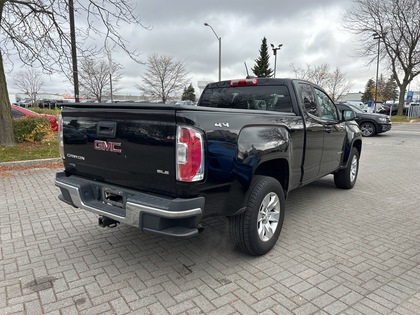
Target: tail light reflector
189 155
60 137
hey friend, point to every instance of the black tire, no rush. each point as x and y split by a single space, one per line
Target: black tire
368 129
257 229
346 178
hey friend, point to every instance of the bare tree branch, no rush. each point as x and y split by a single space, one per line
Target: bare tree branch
38 32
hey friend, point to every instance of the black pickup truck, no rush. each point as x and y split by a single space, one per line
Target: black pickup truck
248 143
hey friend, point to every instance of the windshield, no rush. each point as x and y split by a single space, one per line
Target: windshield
25 110
272 98
356 109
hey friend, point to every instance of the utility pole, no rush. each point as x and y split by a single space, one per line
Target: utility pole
376 36
110 74
74 52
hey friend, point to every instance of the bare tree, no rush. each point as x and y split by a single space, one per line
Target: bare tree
319 75
300 73
337 84
389 29
38 32
95 77
29 82
164 77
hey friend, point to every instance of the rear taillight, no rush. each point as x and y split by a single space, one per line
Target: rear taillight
189 155
60 137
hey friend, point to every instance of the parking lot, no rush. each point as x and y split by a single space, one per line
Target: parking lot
340 252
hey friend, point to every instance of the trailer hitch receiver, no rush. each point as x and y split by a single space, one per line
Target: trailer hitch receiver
107 222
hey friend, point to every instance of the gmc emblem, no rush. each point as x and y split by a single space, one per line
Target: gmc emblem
107 146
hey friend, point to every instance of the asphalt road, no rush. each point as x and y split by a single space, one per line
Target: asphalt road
340 252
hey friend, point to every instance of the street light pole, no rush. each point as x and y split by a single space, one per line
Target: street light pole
220 50
376 36
275 56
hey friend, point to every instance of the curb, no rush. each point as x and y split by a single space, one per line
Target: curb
411 121
31 162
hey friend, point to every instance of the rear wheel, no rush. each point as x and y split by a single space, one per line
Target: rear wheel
257 229
368 129
346 178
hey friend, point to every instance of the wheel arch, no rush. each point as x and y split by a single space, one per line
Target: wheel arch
278 169
357 144
248 230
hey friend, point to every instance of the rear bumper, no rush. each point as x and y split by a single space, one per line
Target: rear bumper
157 214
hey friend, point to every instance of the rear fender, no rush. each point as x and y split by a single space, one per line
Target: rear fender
260 144
262 150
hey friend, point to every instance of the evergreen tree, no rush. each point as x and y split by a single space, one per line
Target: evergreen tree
381 88
369 93
262 63
188 94
390 92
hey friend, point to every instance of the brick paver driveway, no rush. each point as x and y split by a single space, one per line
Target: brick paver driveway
340 252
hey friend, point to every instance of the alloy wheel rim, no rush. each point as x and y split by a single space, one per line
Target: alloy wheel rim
353 169
367 130
268 216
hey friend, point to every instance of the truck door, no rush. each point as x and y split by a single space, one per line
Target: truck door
334 133
314 132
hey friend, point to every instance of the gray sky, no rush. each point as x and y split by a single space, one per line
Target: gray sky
311 33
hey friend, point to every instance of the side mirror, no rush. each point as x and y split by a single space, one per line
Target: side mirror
348 115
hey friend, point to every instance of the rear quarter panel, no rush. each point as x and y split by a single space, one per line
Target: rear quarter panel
237 144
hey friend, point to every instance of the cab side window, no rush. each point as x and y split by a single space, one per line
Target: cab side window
307 99
328 111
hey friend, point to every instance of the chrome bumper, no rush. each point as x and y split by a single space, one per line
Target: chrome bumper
87 195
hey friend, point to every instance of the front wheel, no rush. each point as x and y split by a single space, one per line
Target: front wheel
346 178
368 129
257 229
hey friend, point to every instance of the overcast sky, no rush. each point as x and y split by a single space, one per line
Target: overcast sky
311 33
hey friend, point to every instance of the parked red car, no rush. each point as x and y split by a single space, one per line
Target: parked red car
19 112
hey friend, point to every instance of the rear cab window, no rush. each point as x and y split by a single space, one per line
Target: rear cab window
262 97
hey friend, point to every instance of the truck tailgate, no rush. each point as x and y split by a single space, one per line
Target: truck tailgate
132 147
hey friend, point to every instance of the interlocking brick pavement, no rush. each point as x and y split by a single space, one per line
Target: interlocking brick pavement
340 252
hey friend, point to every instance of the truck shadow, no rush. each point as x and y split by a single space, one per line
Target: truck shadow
126 256
215 238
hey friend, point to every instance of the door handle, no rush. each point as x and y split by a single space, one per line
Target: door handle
106 128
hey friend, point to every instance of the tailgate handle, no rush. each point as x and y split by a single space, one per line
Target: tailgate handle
107 128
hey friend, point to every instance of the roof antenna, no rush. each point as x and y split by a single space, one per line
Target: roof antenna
246 68
247 73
